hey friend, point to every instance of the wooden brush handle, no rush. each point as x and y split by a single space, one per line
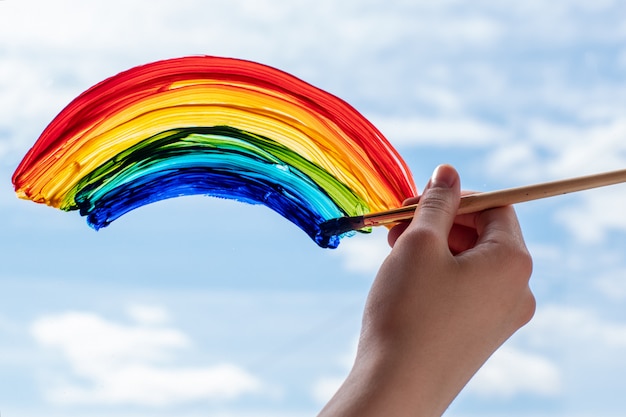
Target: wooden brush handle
481 201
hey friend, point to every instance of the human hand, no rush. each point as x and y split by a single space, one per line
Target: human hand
452 290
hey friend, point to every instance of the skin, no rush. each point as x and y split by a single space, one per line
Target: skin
452 290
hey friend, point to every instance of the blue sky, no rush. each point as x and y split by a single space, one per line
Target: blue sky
197 306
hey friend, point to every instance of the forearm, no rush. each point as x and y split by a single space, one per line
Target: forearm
404 378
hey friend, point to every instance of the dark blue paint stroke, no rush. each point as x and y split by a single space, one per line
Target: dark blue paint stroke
143 176
210 182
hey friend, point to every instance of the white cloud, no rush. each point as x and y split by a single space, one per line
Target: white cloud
558 151
574 149
545 252
27 100
173 23
364 254
576 326
422 21
515 160
441 98
439 131
324 388
562 21
612 284
147 314
597 213
131 363
511 372
551 150
152 386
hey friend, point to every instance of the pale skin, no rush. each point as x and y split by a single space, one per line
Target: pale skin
452 290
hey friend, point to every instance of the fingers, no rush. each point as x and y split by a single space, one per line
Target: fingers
437 214
499 225
499 236
395 232
439 203
398 229
461 238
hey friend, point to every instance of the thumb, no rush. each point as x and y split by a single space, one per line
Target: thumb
439 203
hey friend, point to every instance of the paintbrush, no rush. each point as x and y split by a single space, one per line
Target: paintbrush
472 203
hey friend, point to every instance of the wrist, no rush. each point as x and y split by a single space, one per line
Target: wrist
388 380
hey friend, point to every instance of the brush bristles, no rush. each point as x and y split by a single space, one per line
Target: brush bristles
341 225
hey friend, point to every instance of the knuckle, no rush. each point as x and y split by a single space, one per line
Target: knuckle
524 262
438 201
422 238
516 260
520 267
527 307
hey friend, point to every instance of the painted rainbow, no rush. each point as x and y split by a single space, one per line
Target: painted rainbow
216 126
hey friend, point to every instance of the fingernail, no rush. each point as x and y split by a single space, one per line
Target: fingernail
444 176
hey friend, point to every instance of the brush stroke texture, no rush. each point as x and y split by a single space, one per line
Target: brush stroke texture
216 126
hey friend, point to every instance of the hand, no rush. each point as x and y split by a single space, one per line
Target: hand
451 291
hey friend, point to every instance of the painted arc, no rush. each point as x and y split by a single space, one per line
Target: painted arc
214 126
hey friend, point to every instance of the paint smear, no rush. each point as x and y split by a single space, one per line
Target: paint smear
215 126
